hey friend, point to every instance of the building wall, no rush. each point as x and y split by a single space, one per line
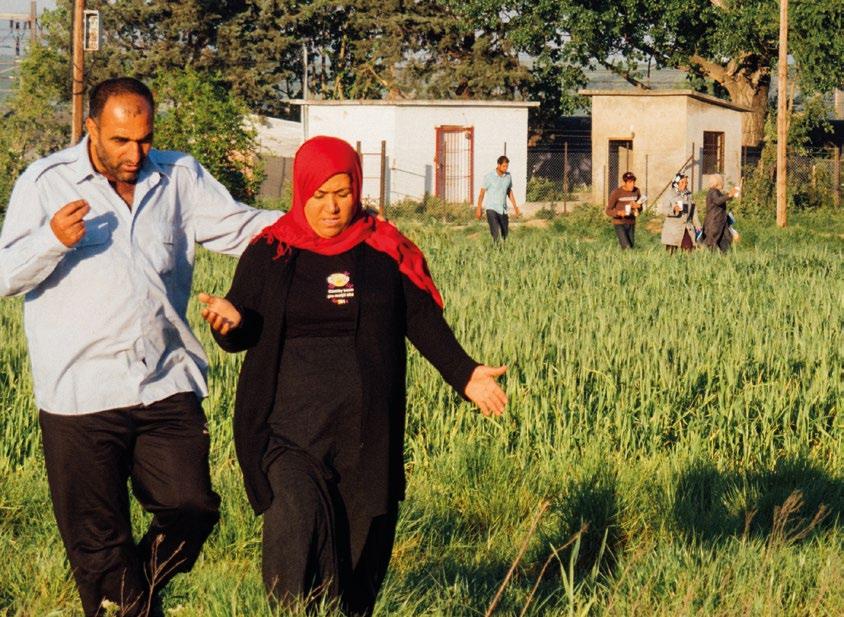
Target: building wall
704 117
664 129
277 137
368 124
496 129
410 133
657 126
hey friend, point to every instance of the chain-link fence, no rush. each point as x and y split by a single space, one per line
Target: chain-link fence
559 175
814 178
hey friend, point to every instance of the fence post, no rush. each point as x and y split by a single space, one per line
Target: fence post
383 192
647 192
836 176
565 176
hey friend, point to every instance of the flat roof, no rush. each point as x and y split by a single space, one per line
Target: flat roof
689 93
415 103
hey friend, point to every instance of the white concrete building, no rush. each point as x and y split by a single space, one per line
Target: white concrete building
440 148
653 133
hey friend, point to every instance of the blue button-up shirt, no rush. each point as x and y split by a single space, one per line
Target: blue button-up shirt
497 188
106 319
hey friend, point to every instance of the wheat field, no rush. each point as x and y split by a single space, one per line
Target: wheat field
673 445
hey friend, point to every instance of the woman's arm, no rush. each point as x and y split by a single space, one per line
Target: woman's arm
431 335
717 198
239 309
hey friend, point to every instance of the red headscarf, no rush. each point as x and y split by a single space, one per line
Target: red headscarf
317 160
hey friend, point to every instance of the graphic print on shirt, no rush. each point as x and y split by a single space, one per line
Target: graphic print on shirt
340 288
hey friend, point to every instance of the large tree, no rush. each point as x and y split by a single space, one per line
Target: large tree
729 43
354 48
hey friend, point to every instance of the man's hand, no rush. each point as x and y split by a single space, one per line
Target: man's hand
67 223
220 314
485 392
516 211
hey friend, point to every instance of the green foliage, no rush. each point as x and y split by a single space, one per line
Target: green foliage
731 44
543 189
197 114
806 188
33 124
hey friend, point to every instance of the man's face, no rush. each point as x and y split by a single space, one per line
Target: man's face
502 168
121 137
629 183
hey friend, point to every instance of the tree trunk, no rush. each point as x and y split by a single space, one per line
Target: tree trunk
755 97
748 80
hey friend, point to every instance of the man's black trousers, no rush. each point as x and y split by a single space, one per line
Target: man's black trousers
625 233
163 449
499 224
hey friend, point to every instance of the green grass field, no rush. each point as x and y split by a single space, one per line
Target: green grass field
675 433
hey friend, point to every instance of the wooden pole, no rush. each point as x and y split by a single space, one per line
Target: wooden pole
565 176
33 37
692 169
382 198
836 176
78 85
782 117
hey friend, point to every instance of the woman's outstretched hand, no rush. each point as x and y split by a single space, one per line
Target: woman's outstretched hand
220 314
483 389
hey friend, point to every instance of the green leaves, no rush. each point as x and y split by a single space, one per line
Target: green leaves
198 114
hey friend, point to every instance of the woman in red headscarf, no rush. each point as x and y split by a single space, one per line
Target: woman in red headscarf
322 301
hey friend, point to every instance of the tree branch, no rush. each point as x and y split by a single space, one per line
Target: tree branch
626 75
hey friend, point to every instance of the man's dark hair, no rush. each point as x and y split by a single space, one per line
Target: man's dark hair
503 159
108 88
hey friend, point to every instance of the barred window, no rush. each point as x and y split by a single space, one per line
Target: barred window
713 152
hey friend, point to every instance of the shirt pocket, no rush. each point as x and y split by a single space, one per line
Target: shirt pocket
98 235
161 250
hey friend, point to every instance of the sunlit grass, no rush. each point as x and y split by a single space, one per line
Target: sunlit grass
671 403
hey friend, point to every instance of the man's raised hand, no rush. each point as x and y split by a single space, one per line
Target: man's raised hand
220 314
67 223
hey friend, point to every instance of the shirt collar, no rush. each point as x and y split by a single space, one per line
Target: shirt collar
83 168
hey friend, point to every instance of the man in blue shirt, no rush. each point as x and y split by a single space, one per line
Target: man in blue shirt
497 186
101 238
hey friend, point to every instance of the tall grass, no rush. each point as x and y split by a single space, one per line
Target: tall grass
665 407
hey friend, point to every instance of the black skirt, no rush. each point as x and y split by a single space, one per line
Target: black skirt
319 412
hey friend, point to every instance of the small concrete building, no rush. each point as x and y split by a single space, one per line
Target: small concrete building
654 133
411 149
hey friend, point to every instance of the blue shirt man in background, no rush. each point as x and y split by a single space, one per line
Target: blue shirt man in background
497 186
101 239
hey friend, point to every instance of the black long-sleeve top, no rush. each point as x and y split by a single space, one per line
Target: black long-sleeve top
389 308
715 221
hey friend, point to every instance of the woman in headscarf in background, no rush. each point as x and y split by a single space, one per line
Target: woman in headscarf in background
679 228
322 301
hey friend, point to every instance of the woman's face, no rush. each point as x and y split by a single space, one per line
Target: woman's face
681 185
332 206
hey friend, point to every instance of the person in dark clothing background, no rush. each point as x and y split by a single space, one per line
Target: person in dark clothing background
716 224
623 206
323 303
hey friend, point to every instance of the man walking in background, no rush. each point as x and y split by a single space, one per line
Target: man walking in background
496 188
624 206
100 238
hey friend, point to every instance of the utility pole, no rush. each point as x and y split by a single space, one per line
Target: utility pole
78 85
782 117
33 36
